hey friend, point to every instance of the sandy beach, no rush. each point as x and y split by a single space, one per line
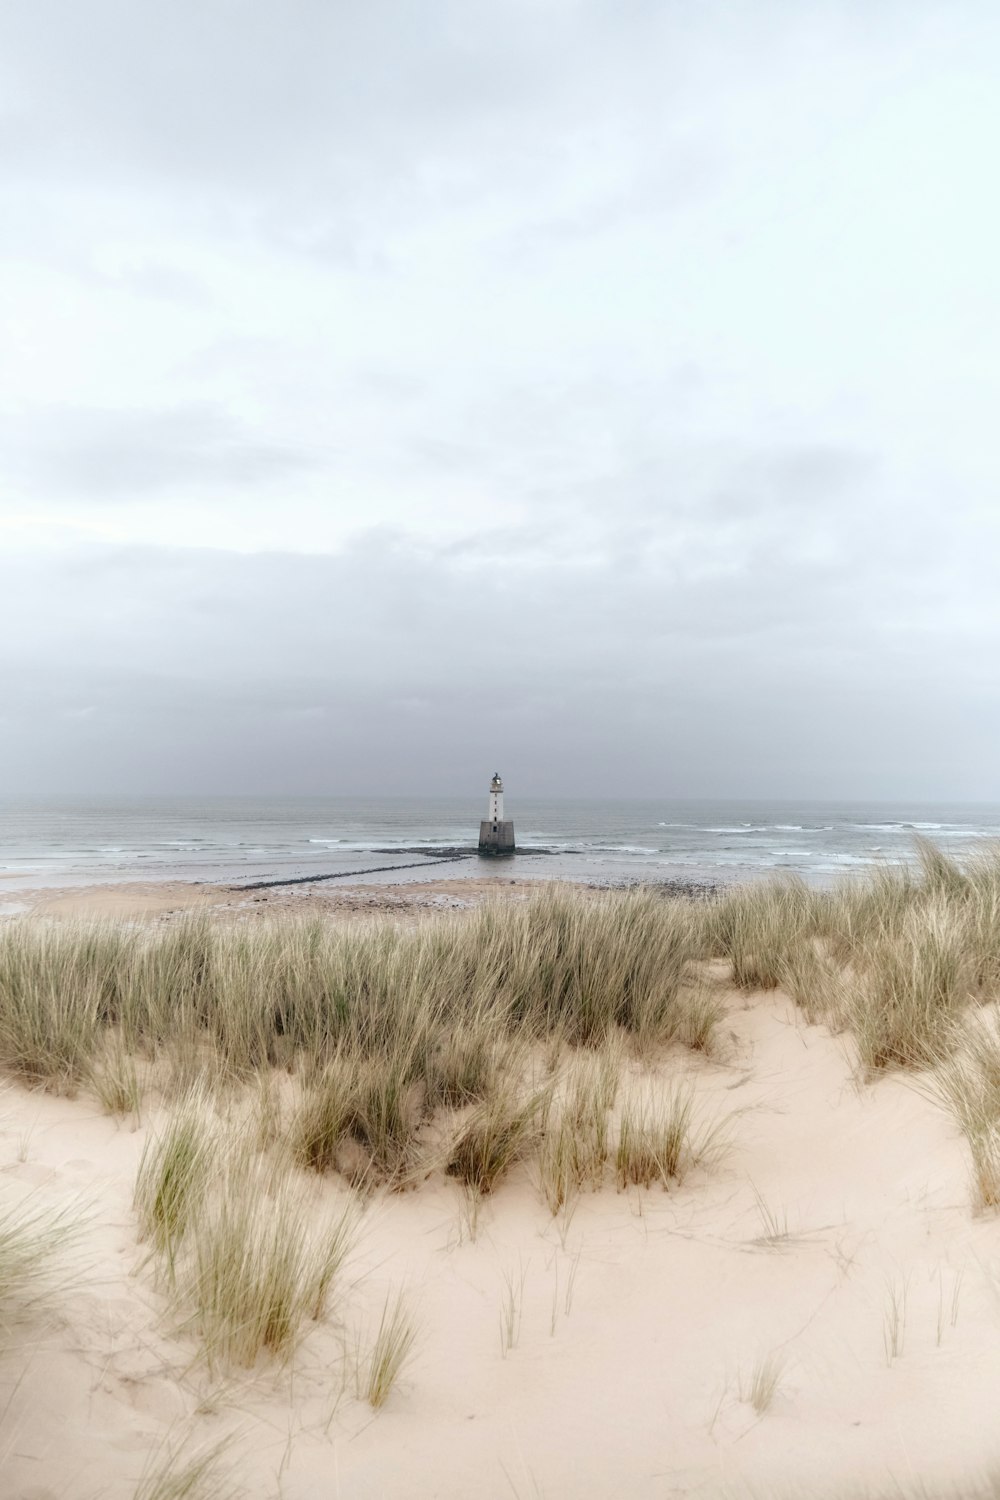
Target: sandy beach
133 900
814 1308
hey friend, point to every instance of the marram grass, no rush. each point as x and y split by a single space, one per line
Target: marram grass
404 1049
379 1367
499 1133
442 1003
251 1258
895 956
259 1265
660 1140
31 1240
174 1174
173 1473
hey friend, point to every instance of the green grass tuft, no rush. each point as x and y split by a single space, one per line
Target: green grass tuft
391 1350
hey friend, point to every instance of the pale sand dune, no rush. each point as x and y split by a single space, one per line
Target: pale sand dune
636 1391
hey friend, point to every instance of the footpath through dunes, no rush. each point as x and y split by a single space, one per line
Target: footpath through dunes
816 1311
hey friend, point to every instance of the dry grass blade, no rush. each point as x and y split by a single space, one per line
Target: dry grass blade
30 1240
660 1141
173 1177
511 1305
500 1133
174 1474
969 1082
761 1386
812 978
774 1225
575 1150
322 1121
424 1019
699 1014
755 926
113 1078
894 1321
259 1265
914 987
390 1352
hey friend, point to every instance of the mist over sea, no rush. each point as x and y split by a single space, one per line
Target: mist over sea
81 841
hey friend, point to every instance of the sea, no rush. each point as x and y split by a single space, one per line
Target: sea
78 841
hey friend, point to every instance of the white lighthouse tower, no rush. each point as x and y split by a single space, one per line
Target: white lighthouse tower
496 835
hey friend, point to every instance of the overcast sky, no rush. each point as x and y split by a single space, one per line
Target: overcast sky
605 391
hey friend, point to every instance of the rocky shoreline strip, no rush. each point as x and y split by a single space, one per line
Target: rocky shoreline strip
692 890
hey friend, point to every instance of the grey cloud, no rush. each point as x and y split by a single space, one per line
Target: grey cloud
164 283
74 453
303 668
593 366
806 473
246 94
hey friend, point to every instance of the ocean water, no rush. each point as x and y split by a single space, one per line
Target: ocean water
81 841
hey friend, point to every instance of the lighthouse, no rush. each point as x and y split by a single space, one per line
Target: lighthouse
496 835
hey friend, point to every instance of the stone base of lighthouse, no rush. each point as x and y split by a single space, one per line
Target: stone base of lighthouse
496 838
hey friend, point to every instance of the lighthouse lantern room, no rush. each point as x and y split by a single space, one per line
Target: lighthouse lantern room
496 834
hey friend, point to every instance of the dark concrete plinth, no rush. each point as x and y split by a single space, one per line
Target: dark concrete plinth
496 838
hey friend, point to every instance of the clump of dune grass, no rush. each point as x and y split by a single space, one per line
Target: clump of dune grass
502 1131
969 1082
321 1121
754 926
894 954
112 1076
984 1146
775 1232
865 910
469 1060
941 875
982 915
51 1011
31 1239
367 1111
661 1141
699 1013
171 1473
430 1013
575 1148
814 981
911 988
248 1257
392 1347
760 1387
174 1174
387 1111
585 964
260 1264
567 1157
